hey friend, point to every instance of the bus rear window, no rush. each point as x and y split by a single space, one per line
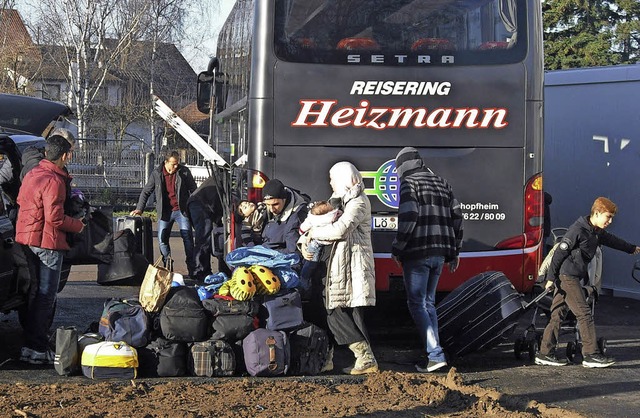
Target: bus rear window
400 32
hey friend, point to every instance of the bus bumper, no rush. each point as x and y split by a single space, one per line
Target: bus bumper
520 266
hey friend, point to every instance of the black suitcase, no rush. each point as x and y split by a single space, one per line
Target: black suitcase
142 229
479 314
127 267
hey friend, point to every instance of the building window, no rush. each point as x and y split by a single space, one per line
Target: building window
101 95
51 91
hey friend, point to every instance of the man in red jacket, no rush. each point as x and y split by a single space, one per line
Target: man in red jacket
42 225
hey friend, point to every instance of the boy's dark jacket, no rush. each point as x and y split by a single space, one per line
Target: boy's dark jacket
578 246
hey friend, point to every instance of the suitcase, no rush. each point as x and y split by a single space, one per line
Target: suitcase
479 314
266 352
142 229
127 267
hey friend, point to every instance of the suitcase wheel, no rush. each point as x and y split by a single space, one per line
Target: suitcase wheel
533 349
518 346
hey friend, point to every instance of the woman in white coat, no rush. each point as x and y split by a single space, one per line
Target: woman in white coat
349 285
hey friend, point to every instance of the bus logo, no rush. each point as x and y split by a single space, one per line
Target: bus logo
386 184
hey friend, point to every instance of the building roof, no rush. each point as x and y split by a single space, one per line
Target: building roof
12 29
191 115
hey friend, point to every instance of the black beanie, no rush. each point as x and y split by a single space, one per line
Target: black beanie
274 189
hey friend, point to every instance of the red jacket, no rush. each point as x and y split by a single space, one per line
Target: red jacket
41 219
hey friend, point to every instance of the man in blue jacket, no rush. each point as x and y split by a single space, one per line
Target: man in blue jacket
286 209
172 183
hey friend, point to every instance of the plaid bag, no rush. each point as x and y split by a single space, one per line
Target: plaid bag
212 358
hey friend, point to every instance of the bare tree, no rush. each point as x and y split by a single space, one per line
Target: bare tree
83 32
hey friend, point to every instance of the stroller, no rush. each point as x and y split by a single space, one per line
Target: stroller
531 339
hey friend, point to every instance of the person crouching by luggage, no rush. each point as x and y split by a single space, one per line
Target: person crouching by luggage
429 234
204 210
43 226
349 284
172 183
569 265
286 210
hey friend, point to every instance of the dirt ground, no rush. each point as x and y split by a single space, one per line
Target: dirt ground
492 384
384 394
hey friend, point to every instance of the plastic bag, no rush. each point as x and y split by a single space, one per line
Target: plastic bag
258 254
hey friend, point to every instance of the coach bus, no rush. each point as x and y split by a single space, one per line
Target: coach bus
302 84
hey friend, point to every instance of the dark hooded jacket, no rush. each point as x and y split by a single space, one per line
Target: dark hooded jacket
578 246
281 232
430 217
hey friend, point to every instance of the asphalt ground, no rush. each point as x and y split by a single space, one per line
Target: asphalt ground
610 392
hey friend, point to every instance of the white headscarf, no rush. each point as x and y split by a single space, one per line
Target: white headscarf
346 181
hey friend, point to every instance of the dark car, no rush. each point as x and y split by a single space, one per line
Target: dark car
24 122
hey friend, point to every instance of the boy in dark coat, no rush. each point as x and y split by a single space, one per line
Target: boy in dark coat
570 264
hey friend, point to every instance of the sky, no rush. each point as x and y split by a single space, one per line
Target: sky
198 58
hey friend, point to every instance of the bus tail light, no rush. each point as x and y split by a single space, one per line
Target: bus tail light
256 183
533 217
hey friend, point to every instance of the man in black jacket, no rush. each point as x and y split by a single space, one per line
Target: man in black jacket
570 264
172 183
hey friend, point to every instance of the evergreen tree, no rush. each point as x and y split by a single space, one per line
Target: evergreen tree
586 33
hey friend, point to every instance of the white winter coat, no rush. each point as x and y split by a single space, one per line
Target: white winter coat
350 269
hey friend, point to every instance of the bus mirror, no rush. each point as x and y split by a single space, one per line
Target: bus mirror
205 91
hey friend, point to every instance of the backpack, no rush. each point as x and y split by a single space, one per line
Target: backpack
309 350
183 318
212 358
266 352
124 320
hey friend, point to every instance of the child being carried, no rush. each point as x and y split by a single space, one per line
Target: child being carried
321 213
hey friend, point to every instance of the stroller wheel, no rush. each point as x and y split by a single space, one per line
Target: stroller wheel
533 349
571 350
578 356
518 345
602 345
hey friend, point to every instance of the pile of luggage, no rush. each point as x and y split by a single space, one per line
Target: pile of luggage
251 323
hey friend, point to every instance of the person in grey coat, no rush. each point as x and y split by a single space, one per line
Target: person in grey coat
172 183
350 279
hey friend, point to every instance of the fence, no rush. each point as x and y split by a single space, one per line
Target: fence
114 172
